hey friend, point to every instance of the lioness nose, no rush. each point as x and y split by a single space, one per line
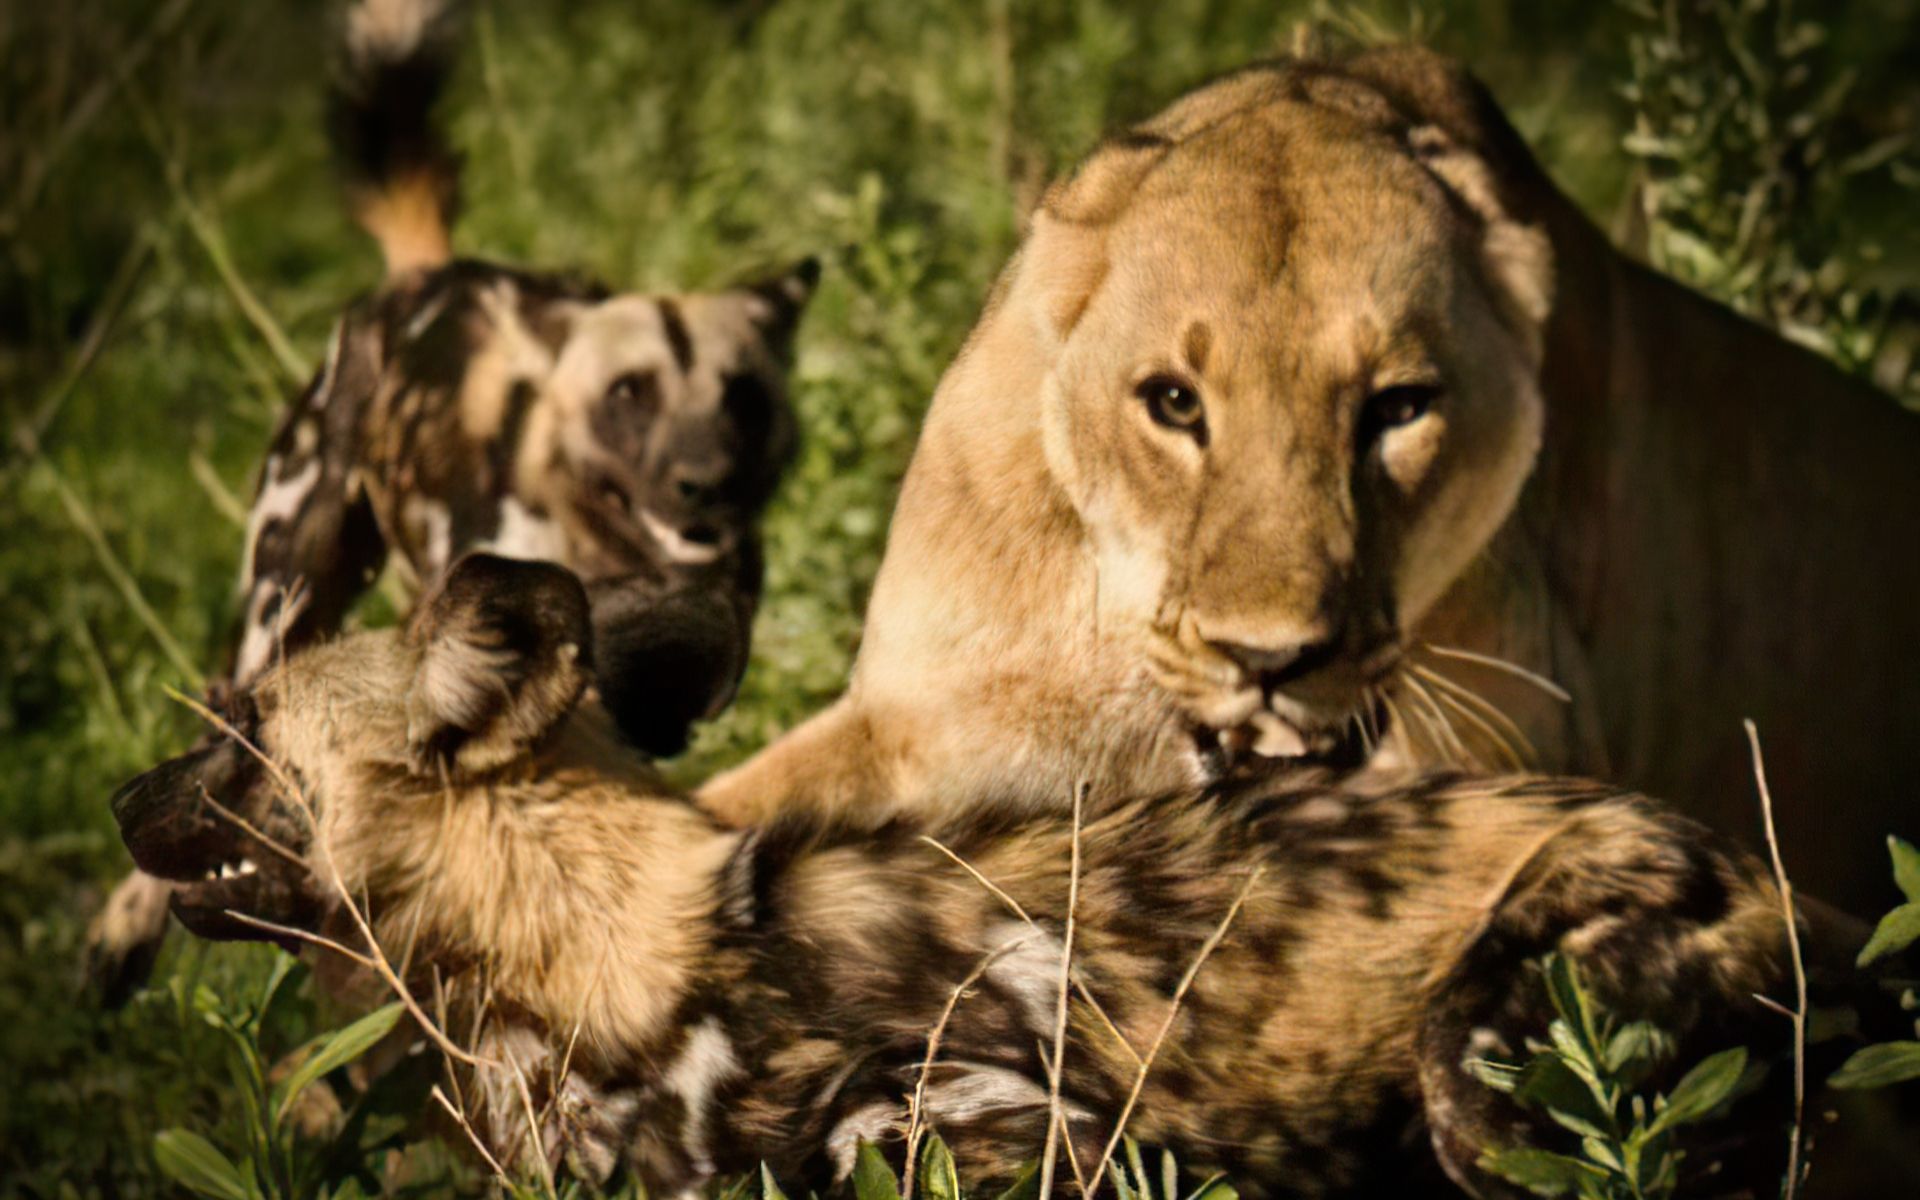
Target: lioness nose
1273 665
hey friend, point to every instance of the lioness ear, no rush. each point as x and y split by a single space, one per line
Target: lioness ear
505 651
1457 131
1065 256
1061 267
1516 257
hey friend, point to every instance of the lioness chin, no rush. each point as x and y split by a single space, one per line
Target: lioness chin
723 998
1314 376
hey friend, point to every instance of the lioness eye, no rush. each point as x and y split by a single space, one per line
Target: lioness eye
1393 407
1174 404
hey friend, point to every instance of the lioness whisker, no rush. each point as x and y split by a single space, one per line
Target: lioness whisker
1486 708
1501 744
1397 718
1500 664
1449 743
1359 722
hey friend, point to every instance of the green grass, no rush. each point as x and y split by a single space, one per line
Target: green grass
678 150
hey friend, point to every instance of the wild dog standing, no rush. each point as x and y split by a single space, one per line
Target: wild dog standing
768 995
635 438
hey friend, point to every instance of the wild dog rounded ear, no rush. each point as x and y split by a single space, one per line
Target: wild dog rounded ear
667 660
505 650
787 293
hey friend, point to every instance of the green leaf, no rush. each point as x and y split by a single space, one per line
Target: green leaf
769 1190
1878 1066
1501 1077
1142 1184
739 1189
1216 1187
336 1049
1549 1082
1906 867
1637 1044
1896 931
872 1178
1120 1185
1539 1171
938 1179
1569 993
192 1162
1025 1185
1602 1151
1169 1176
1702 1089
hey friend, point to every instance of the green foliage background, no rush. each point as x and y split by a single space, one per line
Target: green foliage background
162 171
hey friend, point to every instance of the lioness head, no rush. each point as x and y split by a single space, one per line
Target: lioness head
490 664
1287 339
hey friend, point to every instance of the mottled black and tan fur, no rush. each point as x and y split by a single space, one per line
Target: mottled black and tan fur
465 405
768 995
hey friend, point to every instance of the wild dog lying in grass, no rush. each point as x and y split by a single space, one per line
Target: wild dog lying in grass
634 438
721 998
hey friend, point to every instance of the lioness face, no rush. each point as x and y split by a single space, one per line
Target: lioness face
490 663
1289 405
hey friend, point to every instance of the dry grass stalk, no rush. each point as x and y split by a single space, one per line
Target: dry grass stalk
224 501
916 1104
34 175
533 1126
122 579
28 435
1047 1158
1799 1014
1014 907
460 1118
1166 1026
212 241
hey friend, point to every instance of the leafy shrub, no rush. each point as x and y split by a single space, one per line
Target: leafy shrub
1891 1062
1754 179
1584 1077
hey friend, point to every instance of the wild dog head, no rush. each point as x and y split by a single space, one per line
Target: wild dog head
672 412
490 665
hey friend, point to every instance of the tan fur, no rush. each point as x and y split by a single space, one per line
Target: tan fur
408 218
742 998
1700 536
1060 569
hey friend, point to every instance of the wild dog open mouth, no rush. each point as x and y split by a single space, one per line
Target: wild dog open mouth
230 870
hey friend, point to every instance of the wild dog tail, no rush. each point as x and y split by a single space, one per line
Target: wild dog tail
402 177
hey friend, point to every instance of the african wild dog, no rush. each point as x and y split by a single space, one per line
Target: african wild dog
635 438
768 994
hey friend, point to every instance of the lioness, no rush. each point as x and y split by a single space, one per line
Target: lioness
1316 368
724 998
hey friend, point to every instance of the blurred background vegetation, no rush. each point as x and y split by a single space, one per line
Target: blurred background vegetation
174 253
